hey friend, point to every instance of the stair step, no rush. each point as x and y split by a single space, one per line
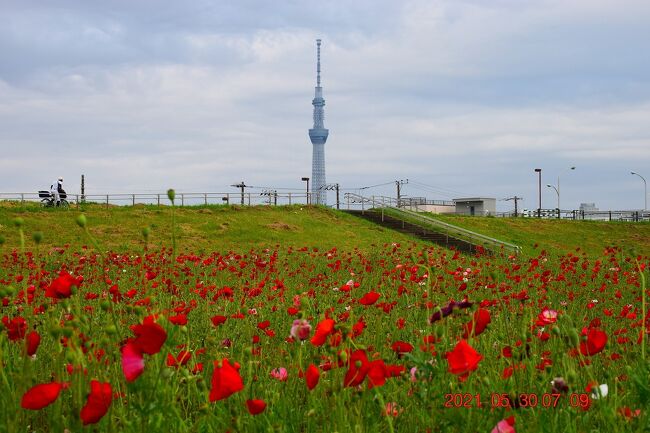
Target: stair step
398 225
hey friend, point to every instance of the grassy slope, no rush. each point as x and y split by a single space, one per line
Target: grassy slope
199 229
559 235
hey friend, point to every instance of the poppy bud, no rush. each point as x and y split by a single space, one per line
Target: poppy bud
439 331
343 356
18 222
11 290
111 330
145 233
105 305
573 337
556 330
571 376
171 194
81 221
38 237
2 239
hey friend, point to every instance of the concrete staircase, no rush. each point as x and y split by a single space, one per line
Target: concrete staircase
425 234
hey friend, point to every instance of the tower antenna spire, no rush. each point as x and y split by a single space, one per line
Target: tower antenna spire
318 63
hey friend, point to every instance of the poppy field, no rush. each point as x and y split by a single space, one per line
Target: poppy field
401 337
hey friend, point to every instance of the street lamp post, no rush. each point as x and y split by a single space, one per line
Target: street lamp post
645 190
558 187
557 191
539 207
306 179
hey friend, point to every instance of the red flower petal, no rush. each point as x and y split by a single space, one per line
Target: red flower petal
61 287
401 347
41 395
225 381
477 325
596 340
99 400
33 340
255 406
463 359
323 329
132 362
369 298
150 337
218 320
312 376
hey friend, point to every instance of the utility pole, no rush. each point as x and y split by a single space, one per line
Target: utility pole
515 198
272 195
83 189
399 184
241 186
330 187
539 176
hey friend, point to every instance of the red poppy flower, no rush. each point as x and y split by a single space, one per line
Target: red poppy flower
263 325
369 298
218 320
401 347
16 327
182 358
132 362
150 336
377 373
463 359
225 381
33 340
255 406
180 319
61 287
358 367
477 325
596 340
323 329
99 400
41 395
312 376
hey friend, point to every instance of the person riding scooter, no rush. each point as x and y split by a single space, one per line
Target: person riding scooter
57 189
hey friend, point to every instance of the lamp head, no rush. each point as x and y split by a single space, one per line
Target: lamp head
549 185
632 172
538 170
305 179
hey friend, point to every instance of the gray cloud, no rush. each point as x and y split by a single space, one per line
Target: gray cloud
466 96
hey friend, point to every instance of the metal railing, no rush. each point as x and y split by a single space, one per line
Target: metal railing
591 215
182 198
382 203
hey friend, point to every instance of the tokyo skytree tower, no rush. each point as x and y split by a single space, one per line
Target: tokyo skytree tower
318 136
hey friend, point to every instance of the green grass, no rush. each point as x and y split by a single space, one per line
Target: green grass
560 236
199 228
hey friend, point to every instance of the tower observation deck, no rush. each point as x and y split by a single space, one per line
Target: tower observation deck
318 136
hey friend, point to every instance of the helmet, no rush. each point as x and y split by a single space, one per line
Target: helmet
60 179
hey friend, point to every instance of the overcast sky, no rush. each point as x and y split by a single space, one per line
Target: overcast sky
463 98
